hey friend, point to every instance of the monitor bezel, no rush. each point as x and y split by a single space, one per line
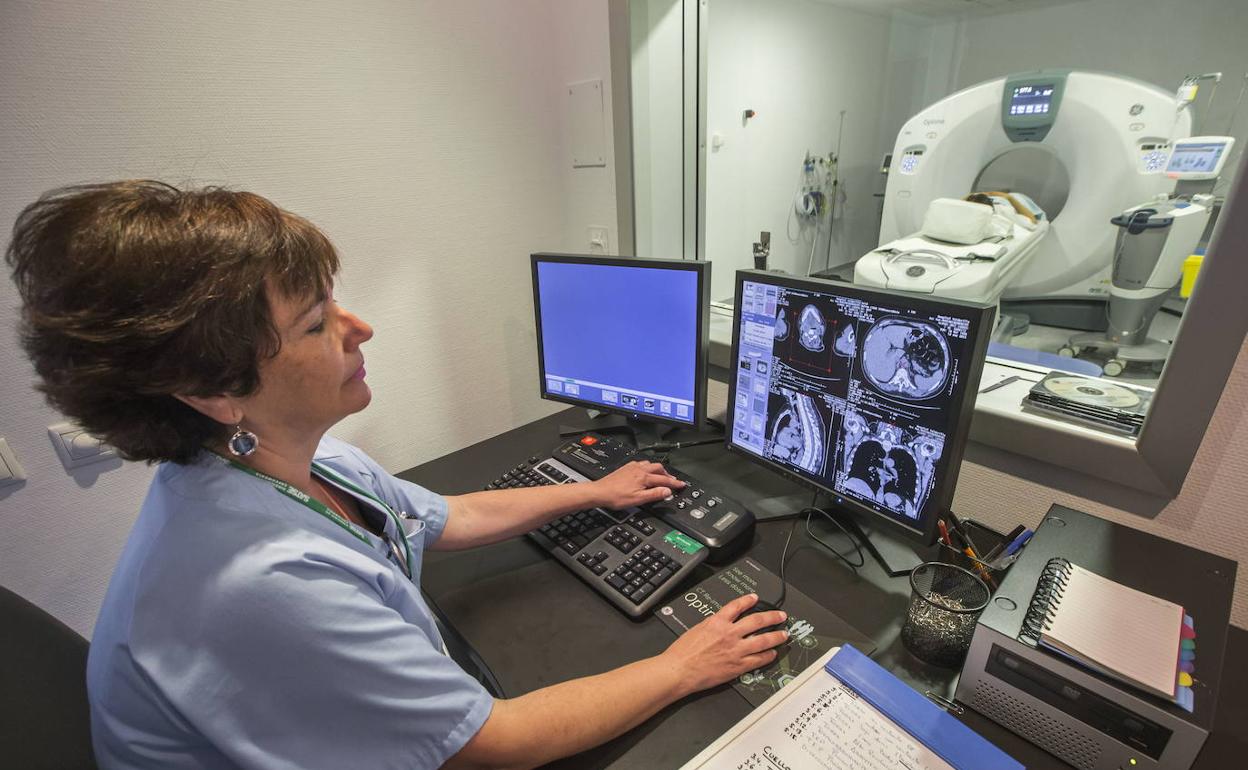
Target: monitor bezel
981 315
701 268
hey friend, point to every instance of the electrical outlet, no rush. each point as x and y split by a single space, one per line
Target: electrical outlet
11 471
599 240
76 447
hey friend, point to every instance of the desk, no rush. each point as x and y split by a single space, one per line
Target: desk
535 624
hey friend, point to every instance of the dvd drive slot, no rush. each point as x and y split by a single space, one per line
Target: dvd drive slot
1097 712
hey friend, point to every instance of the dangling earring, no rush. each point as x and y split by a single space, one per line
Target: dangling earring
243 442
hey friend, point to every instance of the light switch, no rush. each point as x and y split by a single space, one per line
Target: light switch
76 447
11 471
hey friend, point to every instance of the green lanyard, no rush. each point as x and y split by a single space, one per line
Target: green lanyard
316 505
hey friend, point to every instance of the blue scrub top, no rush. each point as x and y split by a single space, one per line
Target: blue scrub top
241 629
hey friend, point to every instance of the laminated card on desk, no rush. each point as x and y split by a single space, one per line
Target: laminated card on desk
850 714
814 629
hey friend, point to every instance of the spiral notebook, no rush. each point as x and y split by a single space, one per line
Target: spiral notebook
1128 635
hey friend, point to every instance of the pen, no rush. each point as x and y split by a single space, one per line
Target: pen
980 568
962 534
1011 552
944 533
1019 542
996 550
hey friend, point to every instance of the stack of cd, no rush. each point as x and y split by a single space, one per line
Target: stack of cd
1108 405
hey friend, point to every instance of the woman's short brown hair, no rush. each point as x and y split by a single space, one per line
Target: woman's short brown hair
133 291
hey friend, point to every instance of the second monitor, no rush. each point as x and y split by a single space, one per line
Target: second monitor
864 394
624 335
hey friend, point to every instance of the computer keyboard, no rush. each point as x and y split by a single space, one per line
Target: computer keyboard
636 557
630 557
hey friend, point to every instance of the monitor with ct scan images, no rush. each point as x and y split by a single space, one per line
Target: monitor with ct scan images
864 394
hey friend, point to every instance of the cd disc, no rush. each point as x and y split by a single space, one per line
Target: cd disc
1091 392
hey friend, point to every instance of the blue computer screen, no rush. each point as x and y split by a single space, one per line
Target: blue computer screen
623 337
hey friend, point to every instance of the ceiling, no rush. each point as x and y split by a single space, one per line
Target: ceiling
945 8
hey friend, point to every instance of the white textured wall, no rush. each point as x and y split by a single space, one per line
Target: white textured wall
797 63
428 139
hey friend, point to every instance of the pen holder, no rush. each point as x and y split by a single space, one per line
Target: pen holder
985 539
945 602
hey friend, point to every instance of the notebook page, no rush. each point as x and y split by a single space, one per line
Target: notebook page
1124 630
824 726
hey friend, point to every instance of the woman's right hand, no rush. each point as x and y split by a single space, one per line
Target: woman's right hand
720 648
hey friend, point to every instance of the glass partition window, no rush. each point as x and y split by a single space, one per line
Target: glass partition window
1027 155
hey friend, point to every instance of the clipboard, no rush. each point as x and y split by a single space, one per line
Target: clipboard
794 728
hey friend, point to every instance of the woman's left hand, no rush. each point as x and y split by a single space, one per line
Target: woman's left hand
636 483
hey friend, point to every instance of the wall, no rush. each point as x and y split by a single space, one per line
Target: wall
427 139
797 63
582 51
656 32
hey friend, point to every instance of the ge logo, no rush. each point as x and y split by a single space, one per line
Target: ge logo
800 630
915 271
666 610
1136 109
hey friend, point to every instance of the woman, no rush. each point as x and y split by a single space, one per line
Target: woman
265 611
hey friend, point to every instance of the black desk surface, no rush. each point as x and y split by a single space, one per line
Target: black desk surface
535 624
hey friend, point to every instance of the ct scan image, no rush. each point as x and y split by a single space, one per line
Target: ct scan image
887 464
798 432
846 342
906 358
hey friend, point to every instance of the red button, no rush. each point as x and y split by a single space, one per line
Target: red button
588 441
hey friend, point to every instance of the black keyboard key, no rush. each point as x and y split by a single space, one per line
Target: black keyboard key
642 593
662 576
598 569
569 547
616 582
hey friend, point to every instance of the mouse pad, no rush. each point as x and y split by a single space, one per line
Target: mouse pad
813 630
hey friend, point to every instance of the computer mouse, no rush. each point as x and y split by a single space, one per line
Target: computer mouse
762 605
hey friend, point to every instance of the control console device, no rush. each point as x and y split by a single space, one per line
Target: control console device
634 557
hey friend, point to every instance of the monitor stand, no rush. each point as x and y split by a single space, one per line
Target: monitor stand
644 433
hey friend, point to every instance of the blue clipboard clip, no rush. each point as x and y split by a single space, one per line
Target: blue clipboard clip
952 741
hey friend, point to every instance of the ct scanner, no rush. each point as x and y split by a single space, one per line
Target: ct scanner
1111 134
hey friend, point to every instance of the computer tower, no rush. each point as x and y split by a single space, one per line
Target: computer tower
1084 718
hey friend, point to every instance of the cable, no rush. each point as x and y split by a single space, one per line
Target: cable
809 511
666 449
784 556
862 559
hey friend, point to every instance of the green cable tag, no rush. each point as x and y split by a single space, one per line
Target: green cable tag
683 542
